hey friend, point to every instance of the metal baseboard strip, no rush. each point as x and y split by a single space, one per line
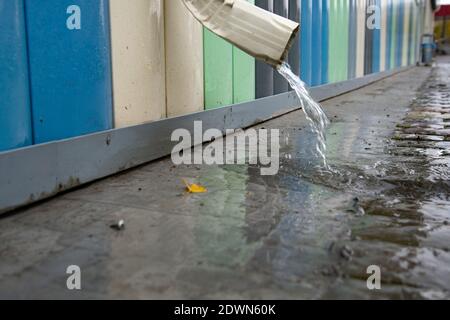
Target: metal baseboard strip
38 172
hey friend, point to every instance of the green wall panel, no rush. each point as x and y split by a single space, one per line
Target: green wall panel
218 70
229 72
243 75
339 40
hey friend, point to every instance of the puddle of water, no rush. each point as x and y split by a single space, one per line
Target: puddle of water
313 111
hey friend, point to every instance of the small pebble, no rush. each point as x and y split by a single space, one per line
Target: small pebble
347 253
118 226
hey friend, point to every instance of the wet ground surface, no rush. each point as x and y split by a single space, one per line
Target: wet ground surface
299 234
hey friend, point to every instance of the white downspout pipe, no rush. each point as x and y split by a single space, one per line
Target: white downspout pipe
260 33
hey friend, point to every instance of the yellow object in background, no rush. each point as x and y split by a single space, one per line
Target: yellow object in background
439 32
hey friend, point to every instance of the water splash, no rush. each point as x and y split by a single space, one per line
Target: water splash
313 111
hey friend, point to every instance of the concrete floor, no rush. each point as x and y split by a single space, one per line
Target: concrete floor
288 236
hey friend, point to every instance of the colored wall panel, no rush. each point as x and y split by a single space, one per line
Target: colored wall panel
361 37
369 40
316 43
376 61
69 54
15 113
414 42
218 71
400 28
325 39
338 37
410 32
243 75
394 36
184 60
137 39
294 52
406 32
383 34
280 84
264 72
344 22
389 24
353 31
306 41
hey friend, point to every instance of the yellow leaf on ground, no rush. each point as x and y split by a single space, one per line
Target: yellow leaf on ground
194 188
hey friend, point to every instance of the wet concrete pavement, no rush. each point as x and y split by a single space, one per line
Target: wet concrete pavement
298 235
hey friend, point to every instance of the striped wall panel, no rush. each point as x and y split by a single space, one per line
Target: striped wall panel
148 66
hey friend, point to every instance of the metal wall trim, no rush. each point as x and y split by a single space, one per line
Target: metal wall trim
38 172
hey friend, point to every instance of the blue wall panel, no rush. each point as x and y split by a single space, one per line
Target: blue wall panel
400 23
376 40
369 40
316 43
15 115
325 26
389 35
294 53
70 67
305 41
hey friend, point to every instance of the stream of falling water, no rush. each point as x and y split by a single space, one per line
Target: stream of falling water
313 111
